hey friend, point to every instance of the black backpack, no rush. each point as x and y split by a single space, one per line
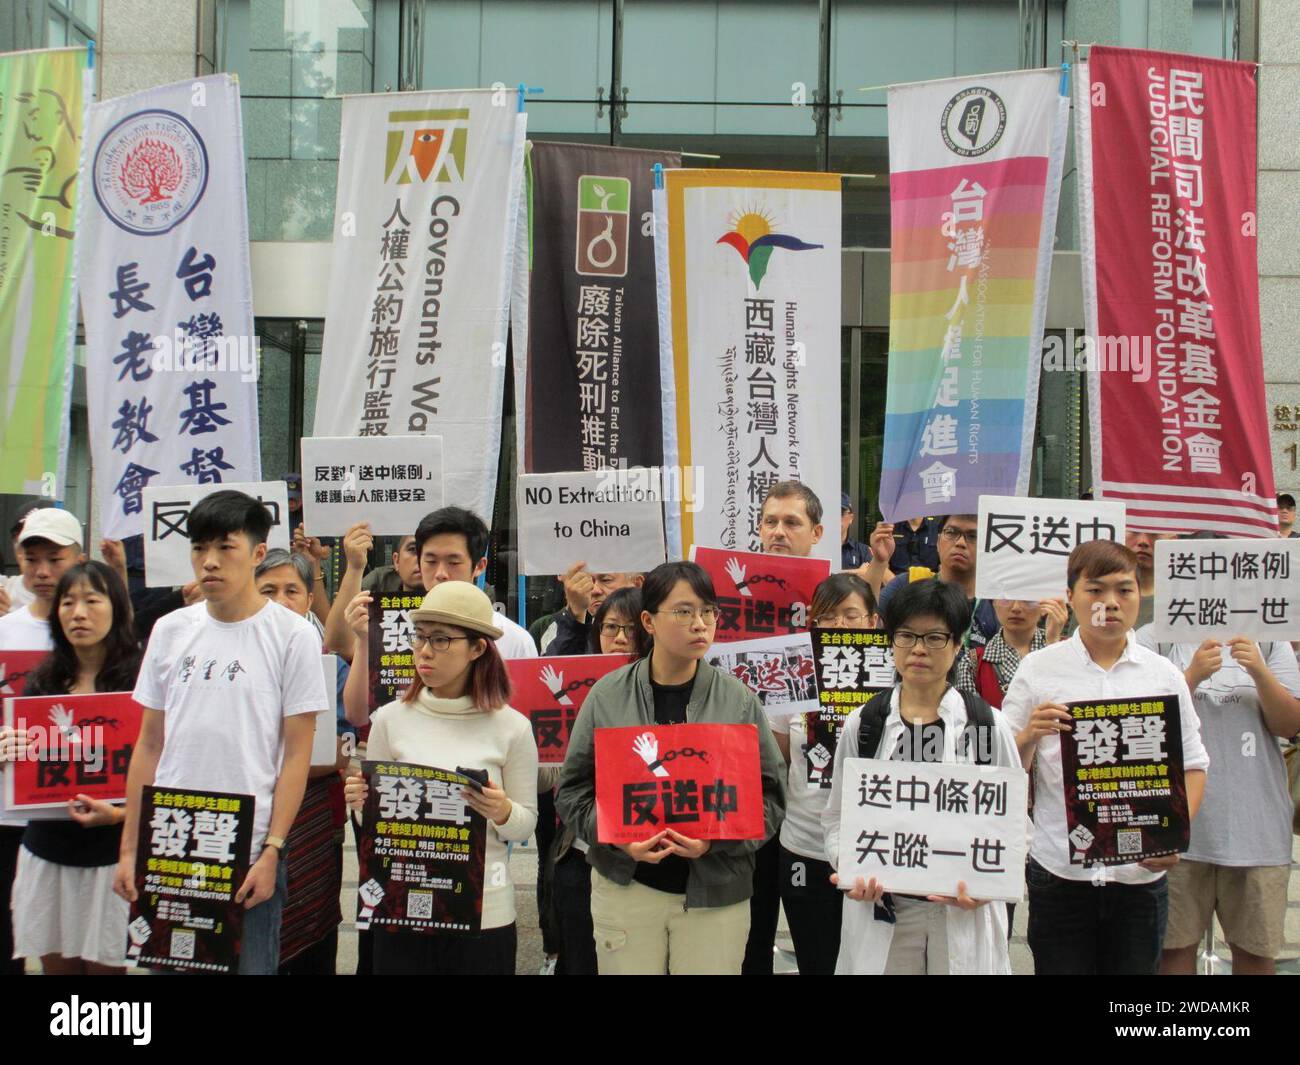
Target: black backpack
871 726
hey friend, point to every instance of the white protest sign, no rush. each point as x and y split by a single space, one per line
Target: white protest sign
777 669
1024 544
390 481
166 531
1223 588
613 523
920 827
324 746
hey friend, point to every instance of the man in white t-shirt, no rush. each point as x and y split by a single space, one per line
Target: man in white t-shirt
1086 920
452 544
230 689
48 546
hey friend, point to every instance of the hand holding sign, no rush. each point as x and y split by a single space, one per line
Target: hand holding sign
882 542
686 847
578 588
1245 652
862 890
961 900
357 544
355 791
492 802
653 850
92 813
1207 661
358 615
1057 614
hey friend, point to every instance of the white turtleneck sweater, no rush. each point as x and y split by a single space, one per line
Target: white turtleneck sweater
449 733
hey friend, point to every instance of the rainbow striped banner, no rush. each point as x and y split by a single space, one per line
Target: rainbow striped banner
975 177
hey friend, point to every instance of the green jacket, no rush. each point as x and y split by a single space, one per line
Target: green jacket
725 873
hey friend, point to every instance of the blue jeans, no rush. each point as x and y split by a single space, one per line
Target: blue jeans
1079 929
259 951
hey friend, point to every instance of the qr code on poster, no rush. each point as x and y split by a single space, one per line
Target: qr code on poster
182 944
419 904
1129 840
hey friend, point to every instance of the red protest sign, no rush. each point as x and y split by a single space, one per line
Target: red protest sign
760 595
14 668
76 744
551 691
703 781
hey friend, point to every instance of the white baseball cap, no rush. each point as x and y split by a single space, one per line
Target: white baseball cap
49 523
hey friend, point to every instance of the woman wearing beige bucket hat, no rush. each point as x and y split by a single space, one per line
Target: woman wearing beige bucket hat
455 714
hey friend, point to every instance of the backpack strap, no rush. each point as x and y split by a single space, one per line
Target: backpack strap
979 716
871 725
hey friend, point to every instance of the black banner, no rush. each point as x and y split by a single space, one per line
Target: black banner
590 383
422 851
390 659
852 666
191 859
1125 793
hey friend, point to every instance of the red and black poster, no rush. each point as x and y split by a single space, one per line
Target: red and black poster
760 595
191 859
704 781
852 666
14 668
1125 796
76 745
390 657
551 691
587 391
422 851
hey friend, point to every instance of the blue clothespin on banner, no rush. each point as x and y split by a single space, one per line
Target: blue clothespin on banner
659 175
523 595
526 89
90 55
1065 79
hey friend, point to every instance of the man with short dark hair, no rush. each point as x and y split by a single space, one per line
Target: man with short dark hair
1098 920
1286 516
14 591
230 688
790 522
49 545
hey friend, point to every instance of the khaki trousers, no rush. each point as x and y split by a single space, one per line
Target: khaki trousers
644 932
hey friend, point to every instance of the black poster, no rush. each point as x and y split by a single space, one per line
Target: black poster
852 666
191 859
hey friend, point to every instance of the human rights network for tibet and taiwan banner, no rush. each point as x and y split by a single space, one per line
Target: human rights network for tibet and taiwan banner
166 295
1180 432
584 310
749 291
40 144
424 235
975 177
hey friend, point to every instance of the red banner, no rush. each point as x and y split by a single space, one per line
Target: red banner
14 667
1171 290
703 781
77 745
551 691
760 595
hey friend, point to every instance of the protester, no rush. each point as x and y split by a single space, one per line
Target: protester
452 546
789 524
958 538
1143 545
583 594
293 490
852 553
64 909
987 670
316 554
921 719
916 543
1238 864
402 576
229 688
615 630
454 714
811 901
1286 516
48 546
1106 919
309 927
15 591
670 904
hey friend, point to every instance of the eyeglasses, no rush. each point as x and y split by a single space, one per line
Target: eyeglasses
683 615
849 617
611 629
438 642
934 641
952 534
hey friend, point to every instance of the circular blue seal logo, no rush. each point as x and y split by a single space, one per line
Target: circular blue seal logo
150 172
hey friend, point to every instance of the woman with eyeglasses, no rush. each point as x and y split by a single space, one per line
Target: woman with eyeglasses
670 904
455 714
923 718
811 901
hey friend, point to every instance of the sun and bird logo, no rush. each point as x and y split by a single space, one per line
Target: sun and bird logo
753 236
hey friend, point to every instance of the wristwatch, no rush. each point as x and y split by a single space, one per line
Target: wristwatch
277 842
